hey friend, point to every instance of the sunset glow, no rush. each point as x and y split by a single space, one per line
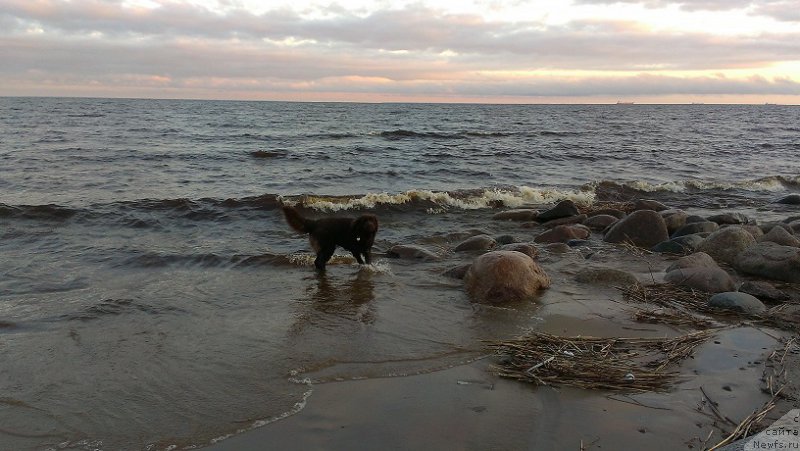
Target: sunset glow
581 51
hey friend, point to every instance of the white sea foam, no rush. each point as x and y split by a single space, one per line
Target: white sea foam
445 200
772 184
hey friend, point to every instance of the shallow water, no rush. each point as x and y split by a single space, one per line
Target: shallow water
151 293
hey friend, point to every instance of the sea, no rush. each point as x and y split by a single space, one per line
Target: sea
153 297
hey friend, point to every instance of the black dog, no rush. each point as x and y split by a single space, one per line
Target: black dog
355 235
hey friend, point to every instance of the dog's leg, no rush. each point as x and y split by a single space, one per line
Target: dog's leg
368 257
323 256
357 255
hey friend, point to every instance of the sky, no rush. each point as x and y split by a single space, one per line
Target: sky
486 51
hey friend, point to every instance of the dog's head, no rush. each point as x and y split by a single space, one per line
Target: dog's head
364 229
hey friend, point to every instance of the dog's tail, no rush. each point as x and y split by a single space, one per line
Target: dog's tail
296 221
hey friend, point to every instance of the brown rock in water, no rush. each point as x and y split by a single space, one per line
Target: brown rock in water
725 244
516 215
770 260
619 214
780 236
564 221
504 276
649 204
791 199
737 302
711 280
476 243
764 290
563 209
642 228
729 218
600 222
457 272
696 227
526 248
675 219
411 252
563 233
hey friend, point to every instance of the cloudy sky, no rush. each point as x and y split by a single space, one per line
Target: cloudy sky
531 51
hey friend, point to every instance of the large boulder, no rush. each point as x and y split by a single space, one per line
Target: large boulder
780 236
642 228
737 302
476 243
770 260
504 276
563 233
725 244
563 209
711 280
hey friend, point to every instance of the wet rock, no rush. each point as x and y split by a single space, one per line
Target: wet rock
506 239
563 209
695 218
476 243
752 229
609 277
770 260
457 272
696 260
579 243
768 226
791 199
649 204
696 227
600 222
725 244
563 233
504 276
681 245
642 228
675 219
619 214
526 248
764 290
411 252
737 302
578 219
516 215
711 280
558 248
780 236
729 218
794 226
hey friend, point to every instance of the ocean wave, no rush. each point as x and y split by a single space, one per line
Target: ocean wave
439 201
769 184
40 212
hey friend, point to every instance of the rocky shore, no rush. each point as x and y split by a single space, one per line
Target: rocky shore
725 270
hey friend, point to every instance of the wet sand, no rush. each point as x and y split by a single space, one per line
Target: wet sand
467 407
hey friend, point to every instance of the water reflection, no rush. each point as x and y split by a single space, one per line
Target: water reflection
332 298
